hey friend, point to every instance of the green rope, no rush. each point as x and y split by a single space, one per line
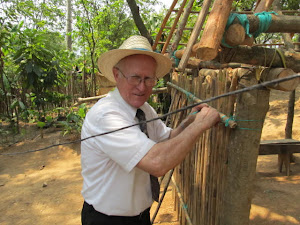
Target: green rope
175 58
243 19
265 20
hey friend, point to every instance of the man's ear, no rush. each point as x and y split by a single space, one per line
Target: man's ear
115 72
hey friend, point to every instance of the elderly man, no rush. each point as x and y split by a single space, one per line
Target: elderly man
119 168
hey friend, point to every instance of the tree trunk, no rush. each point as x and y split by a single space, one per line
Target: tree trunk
138 20
251 109
69 45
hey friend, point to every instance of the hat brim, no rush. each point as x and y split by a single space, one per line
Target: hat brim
109 59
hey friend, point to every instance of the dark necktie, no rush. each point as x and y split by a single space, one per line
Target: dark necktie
154 181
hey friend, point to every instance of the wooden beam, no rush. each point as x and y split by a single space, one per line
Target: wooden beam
194 35
207 48
279 24
269 74
96 98
259 56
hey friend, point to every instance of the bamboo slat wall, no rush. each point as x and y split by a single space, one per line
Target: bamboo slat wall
200 178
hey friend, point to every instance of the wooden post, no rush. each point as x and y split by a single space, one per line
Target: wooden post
194 35
207 48
251 109
263 5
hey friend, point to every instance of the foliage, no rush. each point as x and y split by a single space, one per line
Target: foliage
74 119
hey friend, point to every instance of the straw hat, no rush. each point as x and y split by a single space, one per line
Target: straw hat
132 46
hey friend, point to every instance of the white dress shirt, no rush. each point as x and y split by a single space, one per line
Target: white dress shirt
111 182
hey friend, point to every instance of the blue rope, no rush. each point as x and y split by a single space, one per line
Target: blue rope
265 20
232 118
175 58
243 21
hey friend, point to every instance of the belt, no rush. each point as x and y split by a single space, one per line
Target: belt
138 217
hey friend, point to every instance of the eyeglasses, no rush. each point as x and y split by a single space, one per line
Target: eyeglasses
136 80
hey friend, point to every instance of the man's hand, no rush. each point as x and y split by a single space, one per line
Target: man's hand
207 117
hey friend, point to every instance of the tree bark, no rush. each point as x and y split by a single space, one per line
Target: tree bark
269 74
260 56
194 35
251 109
263 5
279 24
207 48
138 20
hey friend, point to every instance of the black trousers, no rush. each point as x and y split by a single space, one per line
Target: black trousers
89 216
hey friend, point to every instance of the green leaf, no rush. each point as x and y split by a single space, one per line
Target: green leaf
22 106
28 67
14 104
40 124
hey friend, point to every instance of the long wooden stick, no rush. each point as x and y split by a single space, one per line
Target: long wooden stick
181 26
173 27
225 119
164 24
207 48
194 35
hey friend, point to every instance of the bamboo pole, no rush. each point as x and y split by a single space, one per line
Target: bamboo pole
173 27
181 27
183 205
163 25
194 35
225 119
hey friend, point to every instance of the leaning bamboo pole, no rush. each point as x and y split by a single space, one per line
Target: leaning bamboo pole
194 35
225 119
173 27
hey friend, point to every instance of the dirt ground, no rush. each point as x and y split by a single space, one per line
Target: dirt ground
44 187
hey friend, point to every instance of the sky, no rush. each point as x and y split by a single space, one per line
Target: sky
168 3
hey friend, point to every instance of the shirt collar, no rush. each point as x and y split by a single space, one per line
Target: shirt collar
129 109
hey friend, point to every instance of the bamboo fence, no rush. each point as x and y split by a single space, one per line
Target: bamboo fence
199 179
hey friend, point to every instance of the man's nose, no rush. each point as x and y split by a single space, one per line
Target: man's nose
142 86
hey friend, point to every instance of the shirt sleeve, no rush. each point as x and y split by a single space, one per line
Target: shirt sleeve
162 132
127 146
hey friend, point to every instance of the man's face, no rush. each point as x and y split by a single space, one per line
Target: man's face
142 66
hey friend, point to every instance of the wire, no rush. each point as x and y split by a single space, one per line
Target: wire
253 87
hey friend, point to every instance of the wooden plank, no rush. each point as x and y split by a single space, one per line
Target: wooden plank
274 149
280 141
